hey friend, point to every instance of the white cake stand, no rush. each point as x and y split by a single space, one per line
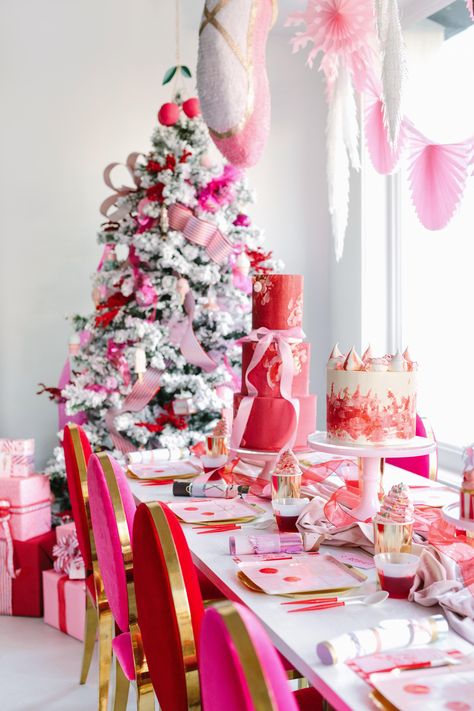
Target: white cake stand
370 456
450 514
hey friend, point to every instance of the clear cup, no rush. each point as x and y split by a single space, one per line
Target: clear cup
396 573
287 512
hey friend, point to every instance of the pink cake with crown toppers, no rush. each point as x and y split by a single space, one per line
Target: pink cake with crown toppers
371 400
275 370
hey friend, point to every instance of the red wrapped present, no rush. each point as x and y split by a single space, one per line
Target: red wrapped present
17 457
27 502
64 603
21 566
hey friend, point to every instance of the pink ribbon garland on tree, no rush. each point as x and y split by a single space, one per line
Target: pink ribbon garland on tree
122 191
200 232
7 568
264 337
183 336
141 394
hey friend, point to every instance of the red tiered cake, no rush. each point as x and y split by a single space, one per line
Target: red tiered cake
277 306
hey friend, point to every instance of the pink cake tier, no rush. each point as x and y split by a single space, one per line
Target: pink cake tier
371 400
271 419
277 305
266 375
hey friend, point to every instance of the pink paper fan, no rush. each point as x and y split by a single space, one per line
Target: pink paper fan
384 157
437 175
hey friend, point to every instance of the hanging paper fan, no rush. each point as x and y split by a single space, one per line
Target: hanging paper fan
384 156
437 177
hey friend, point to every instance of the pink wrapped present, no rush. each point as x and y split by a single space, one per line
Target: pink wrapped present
27 502
65 529
64 603
17 457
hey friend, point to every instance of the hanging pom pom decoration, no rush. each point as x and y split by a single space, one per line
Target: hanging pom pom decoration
344 31
191 107
393 65
232 77
168 114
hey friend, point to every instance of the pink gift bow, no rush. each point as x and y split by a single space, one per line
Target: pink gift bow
7 572
264 337
200 232
66 552
122 191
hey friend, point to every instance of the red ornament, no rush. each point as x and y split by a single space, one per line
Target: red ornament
191 107
168 114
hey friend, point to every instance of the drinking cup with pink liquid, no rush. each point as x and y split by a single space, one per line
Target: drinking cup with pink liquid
396 572
287 512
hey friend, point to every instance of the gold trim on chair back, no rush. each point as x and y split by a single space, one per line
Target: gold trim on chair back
82 469
258 685
181 605
141 666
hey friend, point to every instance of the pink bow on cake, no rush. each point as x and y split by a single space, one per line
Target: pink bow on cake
264 337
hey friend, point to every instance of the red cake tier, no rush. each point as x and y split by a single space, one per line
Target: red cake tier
267 374
277 301
271 419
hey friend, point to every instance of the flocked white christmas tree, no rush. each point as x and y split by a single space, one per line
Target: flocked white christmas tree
151 273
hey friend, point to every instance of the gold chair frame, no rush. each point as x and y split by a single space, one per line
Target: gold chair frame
145 693
98 612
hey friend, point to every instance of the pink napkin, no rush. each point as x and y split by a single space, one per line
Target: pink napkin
437 582
313 522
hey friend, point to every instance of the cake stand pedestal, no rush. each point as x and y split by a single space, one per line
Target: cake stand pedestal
451 513
370 456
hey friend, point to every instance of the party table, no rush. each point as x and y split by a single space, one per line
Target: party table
296 635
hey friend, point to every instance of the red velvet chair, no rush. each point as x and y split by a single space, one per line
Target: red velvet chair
77 452
239 668
112 510
426 465
169 604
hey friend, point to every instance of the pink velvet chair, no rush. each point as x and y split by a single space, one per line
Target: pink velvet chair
112 512
77 452
426 465
170 606
239 668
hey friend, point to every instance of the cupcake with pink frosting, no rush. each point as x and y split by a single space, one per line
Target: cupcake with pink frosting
397 506
221 429
467 487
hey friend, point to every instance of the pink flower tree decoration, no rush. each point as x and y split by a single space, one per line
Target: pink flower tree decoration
344 31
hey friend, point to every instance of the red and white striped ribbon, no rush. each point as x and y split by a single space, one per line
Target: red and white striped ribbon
7 570
139 397
200 232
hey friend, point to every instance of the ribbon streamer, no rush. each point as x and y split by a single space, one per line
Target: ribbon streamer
7 569
200 232
139 397
189 345
122 191
264 337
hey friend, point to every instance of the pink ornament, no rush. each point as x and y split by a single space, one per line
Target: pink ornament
146 294
168 114
242 220
191 107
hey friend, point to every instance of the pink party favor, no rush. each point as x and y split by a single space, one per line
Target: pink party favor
27 501
17 457
64 603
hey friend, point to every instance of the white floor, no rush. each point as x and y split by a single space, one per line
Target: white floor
39 669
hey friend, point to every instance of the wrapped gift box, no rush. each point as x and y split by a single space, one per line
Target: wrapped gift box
65 529
23 594
28 503
70 563
17 457
64 603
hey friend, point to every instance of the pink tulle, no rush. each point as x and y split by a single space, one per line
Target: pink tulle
437 177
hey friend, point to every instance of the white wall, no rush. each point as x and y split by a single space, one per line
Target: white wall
80 87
